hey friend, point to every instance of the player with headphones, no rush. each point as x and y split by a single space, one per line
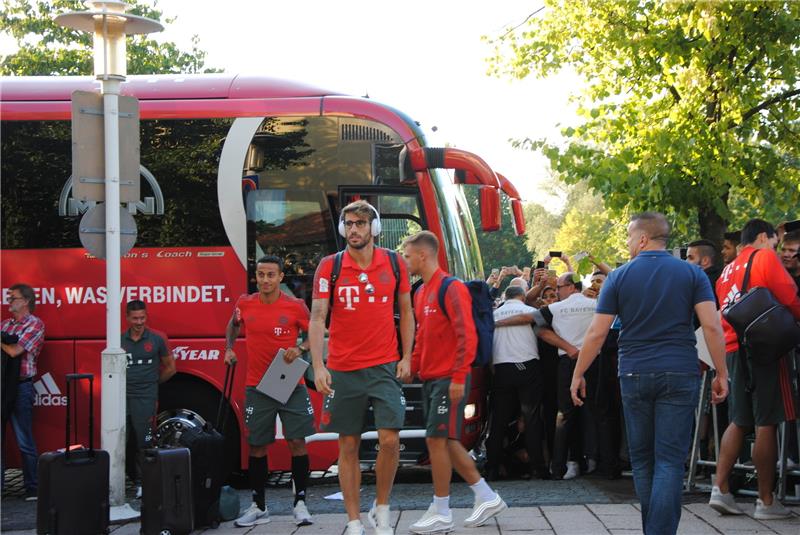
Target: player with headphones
359 286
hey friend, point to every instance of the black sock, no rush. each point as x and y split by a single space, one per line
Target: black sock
257 471
299 477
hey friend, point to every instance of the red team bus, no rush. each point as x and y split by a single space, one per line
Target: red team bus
232 168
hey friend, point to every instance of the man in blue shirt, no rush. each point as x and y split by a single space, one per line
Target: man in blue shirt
655 296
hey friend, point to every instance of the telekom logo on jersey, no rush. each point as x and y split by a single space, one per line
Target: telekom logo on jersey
350 296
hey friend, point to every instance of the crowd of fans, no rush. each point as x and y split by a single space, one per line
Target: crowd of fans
541 319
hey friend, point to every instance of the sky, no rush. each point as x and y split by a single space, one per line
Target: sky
425 58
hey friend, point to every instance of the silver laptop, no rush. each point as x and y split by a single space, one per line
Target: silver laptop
280 379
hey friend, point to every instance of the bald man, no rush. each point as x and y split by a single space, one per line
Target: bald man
655 296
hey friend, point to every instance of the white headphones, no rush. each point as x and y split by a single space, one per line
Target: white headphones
375 226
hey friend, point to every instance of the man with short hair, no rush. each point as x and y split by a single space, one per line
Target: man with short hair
273 321
563 324
703 253
761 394
29 331
516 385
444 349
569 319
789 249
363 366
150 362
655 296
730 246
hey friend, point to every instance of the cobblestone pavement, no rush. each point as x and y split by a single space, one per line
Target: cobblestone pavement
593 519
535 507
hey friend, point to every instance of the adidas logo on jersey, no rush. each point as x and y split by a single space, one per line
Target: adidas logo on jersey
47 393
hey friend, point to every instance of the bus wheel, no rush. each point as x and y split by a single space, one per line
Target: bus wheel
187 401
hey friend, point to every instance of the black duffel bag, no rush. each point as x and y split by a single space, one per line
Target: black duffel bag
765 327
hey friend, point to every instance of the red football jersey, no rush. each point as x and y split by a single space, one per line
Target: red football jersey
768 272
362 331
445 344
268 328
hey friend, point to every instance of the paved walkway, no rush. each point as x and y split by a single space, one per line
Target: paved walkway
614 519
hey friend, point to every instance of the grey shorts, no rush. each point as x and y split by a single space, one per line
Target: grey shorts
260 410
376 387
442 419
773 398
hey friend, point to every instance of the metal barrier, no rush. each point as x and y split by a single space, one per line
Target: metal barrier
704 408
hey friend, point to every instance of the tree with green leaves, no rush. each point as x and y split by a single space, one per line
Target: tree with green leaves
44 48
687 108
501 248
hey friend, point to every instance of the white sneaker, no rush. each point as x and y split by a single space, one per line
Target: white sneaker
139 492
573 470
354 527
723 503
776 511
433 522
485 511
301 515
252 517
379 519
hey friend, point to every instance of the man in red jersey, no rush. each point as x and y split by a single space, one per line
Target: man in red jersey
444 349
771 400
362 367
273 321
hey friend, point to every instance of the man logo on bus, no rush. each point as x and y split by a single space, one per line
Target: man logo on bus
47 393
70 207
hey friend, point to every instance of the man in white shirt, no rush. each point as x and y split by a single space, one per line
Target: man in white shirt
516 385
569 318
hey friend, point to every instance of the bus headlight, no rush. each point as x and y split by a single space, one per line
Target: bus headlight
469 411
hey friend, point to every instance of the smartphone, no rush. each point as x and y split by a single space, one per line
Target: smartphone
551 273
495 272
555 254
540 264
791 226
579 256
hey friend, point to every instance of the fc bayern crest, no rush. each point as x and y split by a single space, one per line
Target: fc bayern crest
384 278
148 347
283 320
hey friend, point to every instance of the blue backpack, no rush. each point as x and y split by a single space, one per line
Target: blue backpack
482 316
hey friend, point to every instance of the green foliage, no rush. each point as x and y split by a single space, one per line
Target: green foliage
686 105
501 248
588 226
45 48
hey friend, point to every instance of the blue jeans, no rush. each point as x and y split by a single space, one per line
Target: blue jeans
659 412
22 422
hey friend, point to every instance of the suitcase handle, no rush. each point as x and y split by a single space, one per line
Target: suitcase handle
227 390
72 380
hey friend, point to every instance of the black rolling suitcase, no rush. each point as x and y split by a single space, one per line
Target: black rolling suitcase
210 468
74 483
166 491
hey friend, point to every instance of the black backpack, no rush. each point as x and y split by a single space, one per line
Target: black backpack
482 316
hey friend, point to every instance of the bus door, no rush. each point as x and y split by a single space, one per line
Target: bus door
401 213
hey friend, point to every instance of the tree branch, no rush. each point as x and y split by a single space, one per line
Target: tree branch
675 94
786 95
510 30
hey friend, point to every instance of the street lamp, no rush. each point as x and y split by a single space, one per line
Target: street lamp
109 25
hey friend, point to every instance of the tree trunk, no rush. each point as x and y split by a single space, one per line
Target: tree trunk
712 225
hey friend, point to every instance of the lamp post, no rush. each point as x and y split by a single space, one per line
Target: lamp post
109 24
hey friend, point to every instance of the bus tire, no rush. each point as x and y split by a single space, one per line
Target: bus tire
183 398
